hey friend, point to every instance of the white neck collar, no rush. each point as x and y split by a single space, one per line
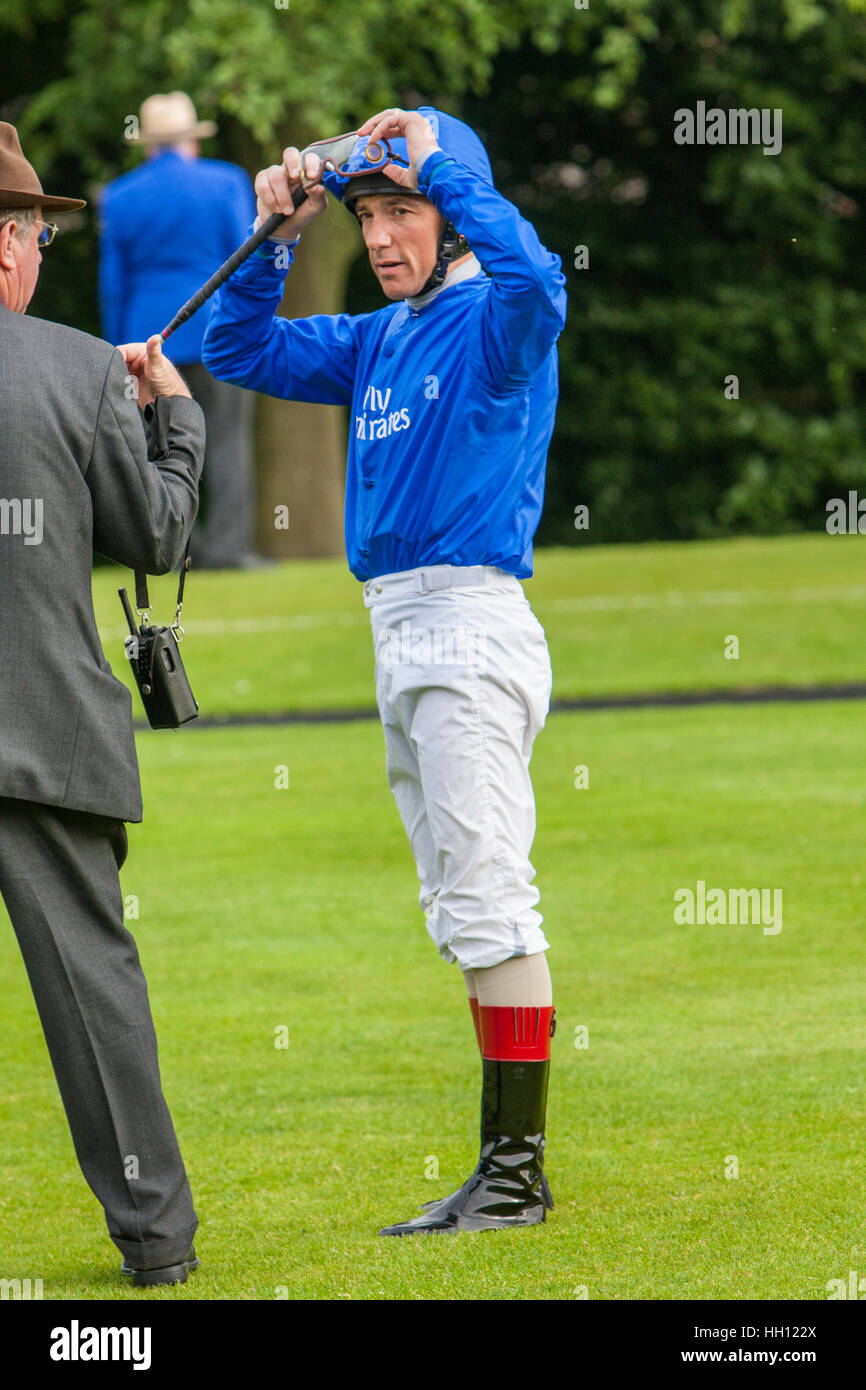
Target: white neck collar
460 272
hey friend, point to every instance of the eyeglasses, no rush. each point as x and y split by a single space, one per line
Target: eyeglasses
51 229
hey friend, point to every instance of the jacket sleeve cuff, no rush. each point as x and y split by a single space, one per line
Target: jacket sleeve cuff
158 416
433 160
272 241
422 158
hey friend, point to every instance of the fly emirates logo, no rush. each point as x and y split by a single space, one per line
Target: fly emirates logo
377 421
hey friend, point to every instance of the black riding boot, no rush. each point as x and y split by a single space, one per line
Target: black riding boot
508 1187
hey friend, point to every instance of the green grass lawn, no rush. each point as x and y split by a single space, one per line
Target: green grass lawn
618 619
297 908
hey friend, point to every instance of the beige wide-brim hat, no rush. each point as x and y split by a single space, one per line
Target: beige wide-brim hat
169 116
19 186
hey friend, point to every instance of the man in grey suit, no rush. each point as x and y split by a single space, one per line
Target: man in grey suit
78 472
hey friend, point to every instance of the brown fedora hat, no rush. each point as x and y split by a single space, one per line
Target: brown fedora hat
19 186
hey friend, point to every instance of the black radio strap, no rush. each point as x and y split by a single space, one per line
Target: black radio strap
142 601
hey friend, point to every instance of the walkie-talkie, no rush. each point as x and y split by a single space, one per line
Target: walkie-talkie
154 656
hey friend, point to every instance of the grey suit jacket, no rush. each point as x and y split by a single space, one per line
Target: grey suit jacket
80 469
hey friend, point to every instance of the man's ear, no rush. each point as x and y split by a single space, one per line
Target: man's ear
7 254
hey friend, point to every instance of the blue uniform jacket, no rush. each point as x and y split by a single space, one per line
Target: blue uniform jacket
452 404
164 229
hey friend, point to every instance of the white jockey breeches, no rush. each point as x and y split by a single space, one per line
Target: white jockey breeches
463 683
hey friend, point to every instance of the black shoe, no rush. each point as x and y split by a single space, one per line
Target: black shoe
544 1190
508 1187
168 1274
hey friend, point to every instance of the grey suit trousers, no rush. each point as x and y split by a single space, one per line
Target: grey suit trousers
224 532
59 880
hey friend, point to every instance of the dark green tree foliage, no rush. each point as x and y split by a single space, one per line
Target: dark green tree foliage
705 261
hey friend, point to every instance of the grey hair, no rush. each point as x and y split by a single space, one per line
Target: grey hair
25 218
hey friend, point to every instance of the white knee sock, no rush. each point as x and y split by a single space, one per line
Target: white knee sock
518 982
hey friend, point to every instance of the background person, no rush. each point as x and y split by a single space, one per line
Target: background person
164 229
72 439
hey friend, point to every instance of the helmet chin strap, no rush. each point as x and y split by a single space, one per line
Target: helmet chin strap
451 246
